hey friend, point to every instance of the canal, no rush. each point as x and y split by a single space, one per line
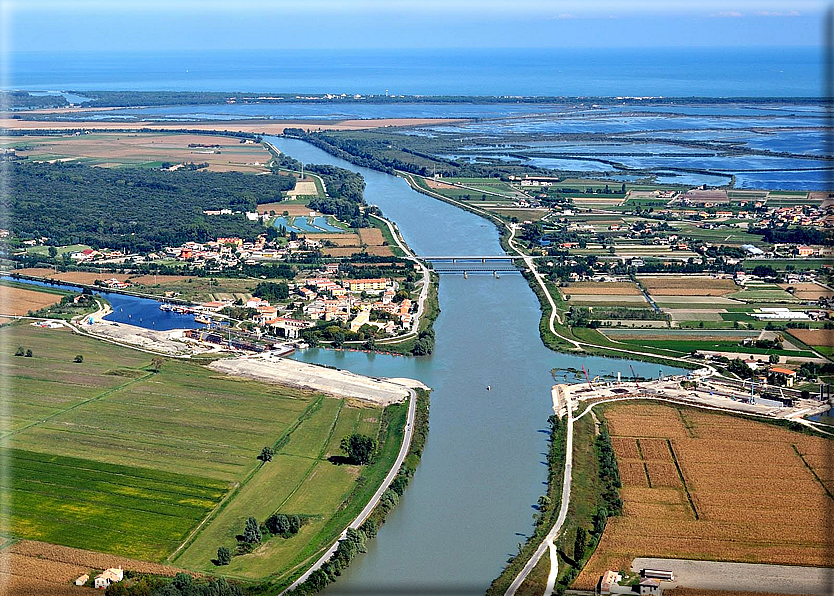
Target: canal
483 468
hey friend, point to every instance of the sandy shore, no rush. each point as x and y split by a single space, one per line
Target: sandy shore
271 127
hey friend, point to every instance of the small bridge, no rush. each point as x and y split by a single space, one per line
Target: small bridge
472 264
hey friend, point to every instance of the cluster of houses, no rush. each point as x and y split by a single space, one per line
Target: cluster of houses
103 579
357 302
229 252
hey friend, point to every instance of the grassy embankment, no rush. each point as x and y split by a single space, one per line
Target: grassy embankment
586 488
330 571
134 425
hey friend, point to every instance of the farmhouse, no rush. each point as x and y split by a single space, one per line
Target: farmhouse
82 580
109 576
785 374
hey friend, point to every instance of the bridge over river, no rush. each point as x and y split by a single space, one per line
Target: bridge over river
472 263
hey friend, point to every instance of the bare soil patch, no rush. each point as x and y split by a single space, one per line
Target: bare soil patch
687 285
293 209
814 337
607 288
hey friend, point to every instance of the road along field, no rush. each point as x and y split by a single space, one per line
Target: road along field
122 456
708 486
119 149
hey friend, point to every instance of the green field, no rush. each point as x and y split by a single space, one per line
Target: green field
109 455
83 503
687 346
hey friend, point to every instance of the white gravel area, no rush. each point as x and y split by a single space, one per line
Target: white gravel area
744 577
340 383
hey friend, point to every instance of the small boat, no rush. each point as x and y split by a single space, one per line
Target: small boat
489 388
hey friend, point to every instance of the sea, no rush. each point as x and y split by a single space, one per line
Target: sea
679 72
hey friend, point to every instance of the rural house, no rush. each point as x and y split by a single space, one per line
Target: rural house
108 576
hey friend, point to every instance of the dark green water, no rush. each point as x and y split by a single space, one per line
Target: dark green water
471 500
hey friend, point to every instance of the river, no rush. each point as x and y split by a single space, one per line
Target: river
471 501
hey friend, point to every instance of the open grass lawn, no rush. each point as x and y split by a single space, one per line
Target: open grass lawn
302 480
108 455
701 485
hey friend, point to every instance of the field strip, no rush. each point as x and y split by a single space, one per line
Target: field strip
78 404
683 480
315 460
238 486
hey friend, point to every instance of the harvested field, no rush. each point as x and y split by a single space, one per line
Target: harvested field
292 209
38 568
617 299
740 478
16 585
114 149
341 252
808 291
304 188
814 337
687 285
371 236
19 301
663 474
704 301
614 288
655 449
633 473
77 557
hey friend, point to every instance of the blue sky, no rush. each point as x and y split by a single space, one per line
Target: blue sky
113 25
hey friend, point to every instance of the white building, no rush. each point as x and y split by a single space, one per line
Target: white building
109 576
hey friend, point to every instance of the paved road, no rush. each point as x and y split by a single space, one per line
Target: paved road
363 515
563 512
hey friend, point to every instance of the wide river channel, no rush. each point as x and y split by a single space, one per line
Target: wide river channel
471 501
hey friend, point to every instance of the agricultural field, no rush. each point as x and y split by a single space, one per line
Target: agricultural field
686 285
822 340
112 455
198 289
808 291
708 486
122 149
15 301
30 567
598 294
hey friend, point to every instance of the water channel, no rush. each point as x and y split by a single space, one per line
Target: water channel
471 500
